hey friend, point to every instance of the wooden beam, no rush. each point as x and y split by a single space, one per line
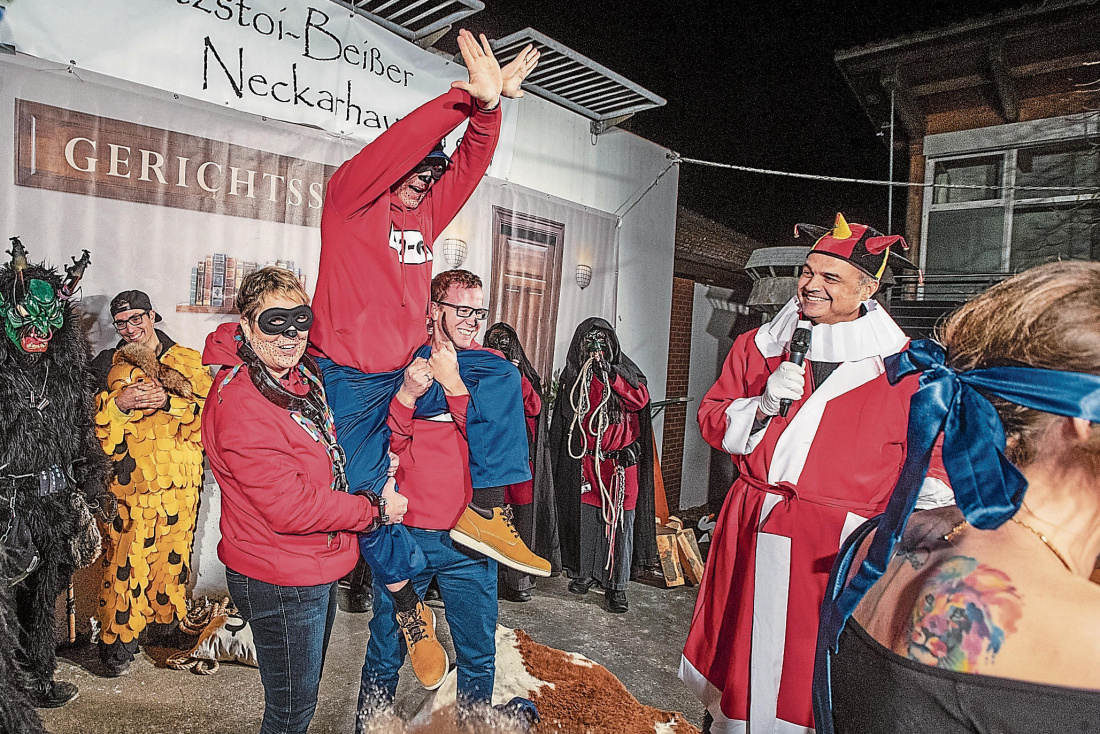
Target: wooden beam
1060 64
1007 96
905 104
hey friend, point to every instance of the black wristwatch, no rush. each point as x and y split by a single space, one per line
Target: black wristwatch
380 504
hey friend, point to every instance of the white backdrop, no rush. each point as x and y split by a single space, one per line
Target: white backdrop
590 237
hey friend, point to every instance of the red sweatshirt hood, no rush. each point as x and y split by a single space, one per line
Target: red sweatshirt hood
221 346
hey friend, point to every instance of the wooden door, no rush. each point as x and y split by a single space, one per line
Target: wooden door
527 254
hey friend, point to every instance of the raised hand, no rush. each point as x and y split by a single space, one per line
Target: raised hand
486 81
517 70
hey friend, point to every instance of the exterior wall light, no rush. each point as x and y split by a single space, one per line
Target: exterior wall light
584 276
454 252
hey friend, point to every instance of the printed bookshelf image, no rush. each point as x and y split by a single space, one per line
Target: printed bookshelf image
215 278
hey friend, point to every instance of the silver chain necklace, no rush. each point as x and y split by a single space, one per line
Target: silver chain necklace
38 401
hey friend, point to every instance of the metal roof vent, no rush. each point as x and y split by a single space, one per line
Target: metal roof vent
576 82
421 21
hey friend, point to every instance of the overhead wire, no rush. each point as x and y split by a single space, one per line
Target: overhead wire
677 158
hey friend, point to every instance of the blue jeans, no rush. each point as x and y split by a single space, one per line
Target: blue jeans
468 586
495 428
291 627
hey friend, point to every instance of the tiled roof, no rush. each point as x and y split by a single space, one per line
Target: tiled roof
704 240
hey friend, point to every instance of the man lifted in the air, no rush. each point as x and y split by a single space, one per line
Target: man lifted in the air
383 210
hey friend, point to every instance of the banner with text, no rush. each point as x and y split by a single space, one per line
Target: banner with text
310 62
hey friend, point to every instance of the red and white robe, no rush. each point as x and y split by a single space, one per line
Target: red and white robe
806 481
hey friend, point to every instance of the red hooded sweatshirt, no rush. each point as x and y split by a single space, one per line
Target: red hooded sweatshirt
280 520
375 275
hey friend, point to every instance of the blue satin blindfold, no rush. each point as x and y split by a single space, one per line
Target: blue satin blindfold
988 487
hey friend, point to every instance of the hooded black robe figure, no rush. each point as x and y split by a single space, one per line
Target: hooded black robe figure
53 473
533 509
606 518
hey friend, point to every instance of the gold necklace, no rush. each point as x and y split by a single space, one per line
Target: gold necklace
954 533
1046 542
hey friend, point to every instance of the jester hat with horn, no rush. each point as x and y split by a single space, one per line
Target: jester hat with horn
858 244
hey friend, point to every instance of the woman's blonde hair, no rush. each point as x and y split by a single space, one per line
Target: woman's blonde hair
1047 317
261 283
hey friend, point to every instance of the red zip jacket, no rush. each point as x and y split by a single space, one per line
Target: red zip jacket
280 520
375 275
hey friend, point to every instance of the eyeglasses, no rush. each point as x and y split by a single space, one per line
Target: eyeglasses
134 320
465 312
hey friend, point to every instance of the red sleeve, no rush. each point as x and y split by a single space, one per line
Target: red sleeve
532 403
468 166
634 398
276 485
380 164
457 405
729 387
401 427
935 464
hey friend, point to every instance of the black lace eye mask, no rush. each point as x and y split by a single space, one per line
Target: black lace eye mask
285 321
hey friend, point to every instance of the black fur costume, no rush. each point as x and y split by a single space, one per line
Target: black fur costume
59 519
17 714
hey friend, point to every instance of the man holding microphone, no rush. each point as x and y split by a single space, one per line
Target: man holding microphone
808 476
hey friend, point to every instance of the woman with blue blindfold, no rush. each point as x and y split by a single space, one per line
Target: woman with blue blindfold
982 617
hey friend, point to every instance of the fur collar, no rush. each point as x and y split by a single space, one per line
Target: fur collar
140 356
872 335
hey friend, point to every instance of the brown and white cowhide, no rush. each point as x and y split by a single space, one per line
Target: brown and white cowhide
574 695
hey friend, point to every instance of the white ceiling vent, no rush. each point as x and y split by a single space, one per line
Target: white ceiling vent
421 21
576 82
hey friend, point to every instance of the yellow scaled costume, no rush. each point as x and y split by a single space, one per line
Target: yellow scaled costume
157 457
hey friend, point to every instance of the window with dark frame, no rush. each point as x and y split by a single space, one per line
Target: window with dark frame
1004 226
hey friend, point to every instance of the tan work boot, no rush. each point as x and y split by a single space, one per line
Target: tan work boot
428 658
498 539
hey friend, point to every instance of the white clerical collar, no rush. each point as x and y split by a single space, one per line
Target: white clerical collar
872 335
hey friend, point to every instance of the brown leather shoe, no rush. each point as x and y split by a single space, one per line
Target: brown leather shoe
498 539
428 658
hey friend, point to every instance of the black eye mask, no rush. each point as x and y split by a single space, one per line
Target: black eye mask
285 321
436 168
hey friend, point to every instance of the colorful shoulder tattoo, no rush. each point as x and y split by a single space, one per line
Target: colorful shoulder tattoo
964 615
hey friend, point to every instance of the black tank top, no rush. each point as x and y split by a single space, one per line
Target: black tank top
877 691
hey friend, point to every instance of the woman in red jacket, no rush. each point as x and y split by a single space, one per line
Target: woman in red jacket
288 524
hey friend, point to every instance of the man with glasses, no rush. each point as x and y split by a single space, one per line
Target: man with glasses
151 393
452 385
383 209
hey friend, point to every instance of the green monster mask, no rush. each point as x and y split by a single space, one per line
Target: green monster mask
31 322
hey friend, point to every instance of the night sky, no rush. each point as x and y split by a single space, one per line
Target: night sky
751 83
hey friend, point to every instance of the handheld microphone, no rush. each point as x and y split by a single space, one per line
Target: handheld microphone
800 344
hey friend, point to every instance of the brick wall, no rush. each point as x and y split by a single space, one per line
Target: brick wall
679 359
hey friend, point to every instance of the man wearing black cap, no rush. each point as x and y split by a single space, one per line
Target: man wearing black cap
150 397
819 445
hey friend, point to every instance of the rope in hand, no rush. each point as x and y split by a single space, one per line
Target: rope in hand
611 498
